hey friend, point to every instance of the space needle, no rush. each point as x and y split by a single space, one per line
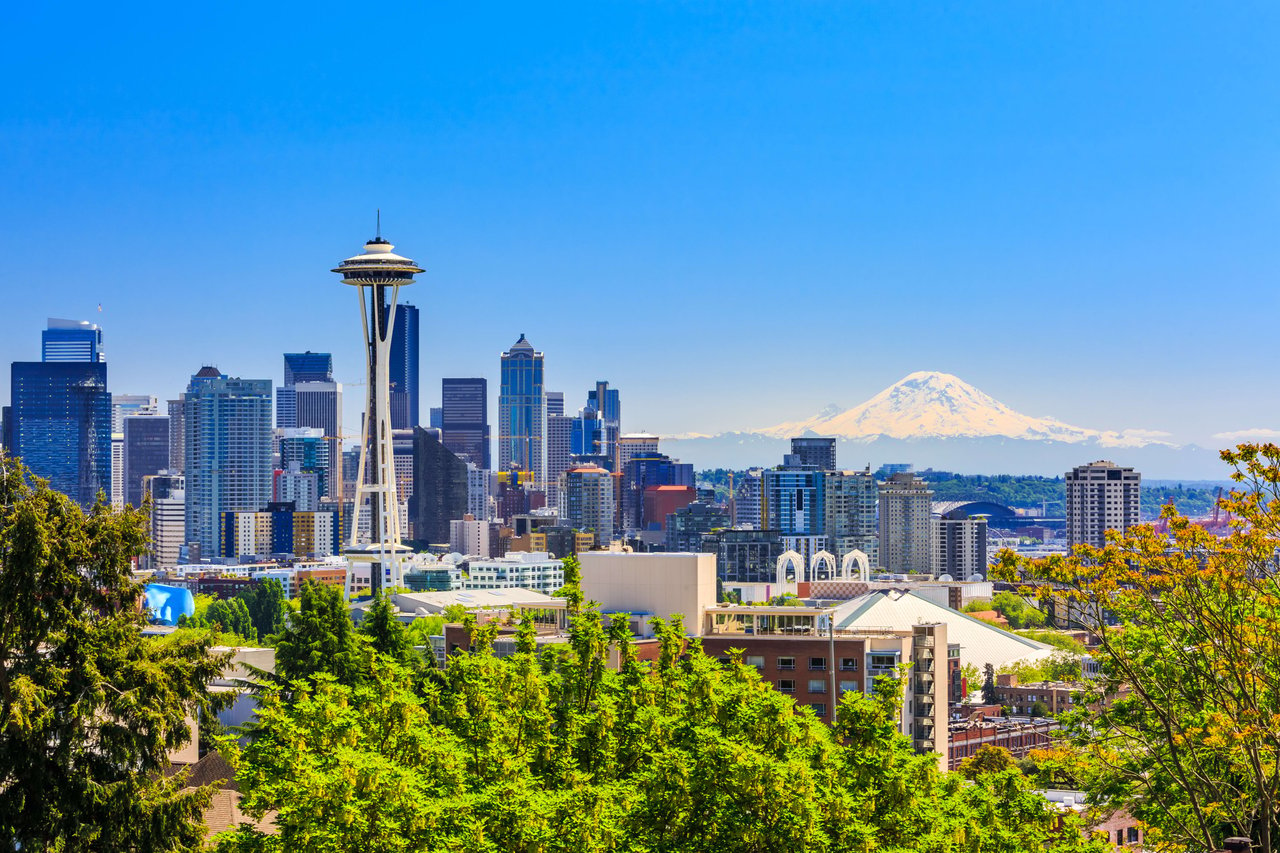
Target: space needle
377 276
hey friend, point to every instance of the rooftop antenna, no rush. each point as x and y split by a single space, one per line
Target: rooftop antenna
379 225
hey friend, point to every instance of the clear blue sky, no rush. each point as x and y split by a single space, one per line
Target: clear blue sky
736 213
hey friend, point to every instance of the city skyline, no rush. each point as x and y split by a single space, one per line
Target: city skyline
1044 202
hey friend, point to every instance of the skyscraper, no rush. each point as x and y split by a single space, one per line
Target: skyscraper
465 419
71 340
586 501
439 487
404 368
310 398
1101 496
522 412
608 407
123 406
227 422
61 425
168 519
146 452
815 451
959 545
851 512
906 528
177 435
794 499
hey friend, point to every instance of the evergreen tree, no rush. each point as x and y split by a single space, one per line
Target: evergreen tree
385 632
90 708
321 639
267 607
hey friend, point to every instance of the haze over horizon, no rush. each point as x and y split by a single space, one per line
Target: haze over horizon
735 215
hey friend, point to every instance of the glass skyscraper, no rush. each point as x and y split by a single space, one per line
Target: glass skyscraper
146 452
403 368
228 451
61 425
464 419
71 340
522 412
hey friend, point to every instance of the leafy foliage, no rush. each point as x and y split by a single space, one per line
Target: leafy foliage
90 708
1189 630
321 639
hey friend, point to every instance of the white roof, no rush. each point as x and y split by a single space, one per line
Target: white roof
980 642
432 603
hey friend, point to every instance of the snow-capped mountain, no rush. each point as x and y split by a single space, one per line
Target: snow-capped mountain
928 405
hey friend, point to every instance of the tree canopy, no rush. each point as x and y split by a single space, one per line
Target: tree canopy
90 707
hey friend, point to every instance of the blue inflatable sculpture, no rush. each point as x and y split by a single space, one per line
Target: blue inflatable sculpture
167 603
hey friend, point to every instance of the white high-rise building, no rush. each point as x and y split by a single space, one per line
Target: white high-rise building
478 492
168 523
906 528
1101 496
469 537
960 546
850 507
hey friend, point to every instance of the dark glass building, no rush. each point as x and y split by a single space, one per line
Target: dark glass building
645 470
685 527
404 368
61 425
146 452
816 451
465 419
439 488
745 556
307 367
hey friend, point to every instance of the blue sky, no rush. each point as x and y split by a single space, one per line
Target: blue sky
737 213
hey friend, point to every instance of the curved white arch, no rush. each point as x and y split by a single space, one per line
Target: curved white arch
859 559
795 561
822 558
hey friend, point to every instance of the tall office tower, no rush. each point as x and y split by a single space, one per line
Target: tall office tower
123 406
404 368
559 451
177 435
645 471
587 437
305 450
1101 496
609 408
851 513
818 452
402 447
146 452
633 443
6 428
794 499
586 501
61 425
522 413
439 488
906 529
168 519
555 403
465 418
71 340
300 367
379 274
436 417
960 545
748 503
227 422
478 492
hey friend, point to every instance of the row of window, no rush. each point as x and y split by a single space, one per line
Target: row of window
816 685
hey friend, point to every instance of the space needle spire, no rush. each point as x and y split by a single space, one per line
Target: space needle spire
377 276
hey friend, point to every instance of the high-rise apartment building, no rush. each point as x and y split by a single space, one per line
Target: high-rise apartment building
177 434
123 406
815 451
794 498
439 487
522 413
959 545
1101 496
850 507
309 398
586 501
71 340
305 451
146 452
228 451
464 418
632 443
168 519
555 403
404 368
906 528
748 500
478 489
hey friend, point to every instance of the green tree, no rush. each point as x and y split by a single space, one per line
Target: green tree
381 625
989 696
232 616
90 708
988 759
267 607
321 639
1182 726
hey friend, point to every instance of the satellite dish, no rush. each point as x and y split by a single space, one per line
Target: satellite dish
945 578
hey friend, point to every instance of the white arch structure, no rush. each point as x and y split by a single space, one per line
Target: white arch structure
859 559
795 561
823 559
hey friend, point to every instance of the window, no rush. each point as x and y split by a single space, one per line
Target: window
755 660
849 664
723 660
817 685
1133 834
818 664
884 661
787 685
786 663
846 686
819 708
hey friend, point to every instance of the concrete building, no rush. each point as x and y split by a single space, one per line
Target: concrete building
686 526
587 500
228 451
537 571
279 529
559 448
748 501
168 522
478 492
177 434
522 413
660 502
644 585
470 537
849 504
1101 496
633 443
959 546
906 529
